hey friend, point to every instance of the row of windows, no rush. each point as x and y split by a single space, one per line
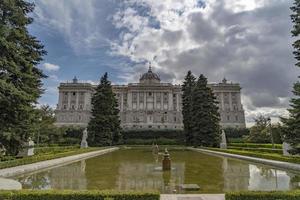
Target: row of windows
151 126
80 107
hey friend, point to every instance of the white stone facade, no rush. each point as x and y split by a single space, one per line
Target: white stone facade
148 104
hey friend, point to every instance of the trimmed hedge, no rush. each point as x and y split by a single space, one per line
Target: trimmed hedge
274 156
291 195
54 149
148 137
43 157
77 195
255 145
261 150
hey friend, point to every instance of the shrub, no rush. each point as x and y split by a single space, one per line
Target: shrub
43 157
148 137
236 132
54 149
262 150
255 145
293 195
77 195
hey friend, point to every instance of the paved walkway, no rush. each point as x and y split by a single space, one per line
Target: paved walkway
192 197
14 171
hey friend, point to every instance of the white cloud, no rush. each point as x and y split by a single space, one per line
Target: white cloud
51 67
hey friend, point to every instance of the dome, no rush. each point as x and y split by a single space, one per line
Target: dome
149 77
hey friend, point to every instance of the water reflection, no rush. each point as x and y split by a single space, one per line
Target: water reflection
139 170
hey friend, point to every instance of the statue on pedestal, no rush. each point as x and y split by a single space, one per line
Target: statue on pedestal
166 162
223 144
84 143
27 149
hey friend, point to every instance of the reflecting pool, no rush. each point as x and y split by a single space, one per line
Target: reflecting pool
138 169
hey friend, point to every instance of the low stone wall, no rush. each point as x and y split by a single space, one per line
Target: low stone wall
278 164
18 170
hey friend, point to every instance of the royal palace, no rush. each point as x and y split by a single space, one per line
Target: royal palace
148 104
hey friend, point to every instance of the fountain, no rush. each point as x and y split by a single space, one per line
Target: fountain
155 149
166 162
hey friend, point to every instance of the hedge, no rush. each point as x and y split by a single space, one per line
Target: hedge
159 141
255 145
291 195
43 157
278 157
54 149
262 150
77 195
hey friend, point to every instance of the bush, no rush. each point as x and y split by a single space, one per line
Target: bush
262 150
43 157
255 145
236 132
293 195
55 149
148 137
77 195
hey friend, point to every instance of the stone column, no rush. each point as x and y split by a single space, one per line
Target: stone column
122 101
177 99
69 100
222 100
230 102
170 106
129 102
138 100
145 100
154 99
77 101
60 100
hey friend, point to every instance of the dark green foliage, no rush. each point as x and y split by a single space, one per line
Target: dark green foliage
187 89
262 132
291 195
20 79
104 126
255 145
261 150
236 132
77 195
292 124
205 116
148 137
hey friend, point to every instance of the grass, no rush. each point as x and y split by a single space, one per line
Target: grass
45 156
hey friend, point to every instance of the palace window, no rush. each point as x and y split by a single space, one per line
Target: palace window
228 118
73 107
74 93
65 107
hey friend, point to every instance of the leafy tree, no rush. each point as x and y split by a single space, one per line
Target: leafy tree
292 124
205 116
187 89
260 132
104 126
20 79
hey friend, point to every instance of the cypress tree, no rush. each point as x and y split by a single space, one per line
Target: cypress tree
20 79
205 117
292 124
104 126
187 89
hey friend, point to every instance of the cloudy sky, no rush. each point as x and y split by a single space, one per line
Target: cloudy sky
246 41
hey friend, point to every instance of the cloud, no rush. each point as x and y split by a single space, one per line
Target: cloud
51 67
246 41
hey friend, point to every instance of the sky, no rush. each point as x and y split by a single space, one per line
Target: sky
246 41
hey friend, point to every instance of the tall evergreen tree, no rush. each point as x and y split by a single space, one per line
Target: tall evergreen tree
20 79
292 133
187 89
104 126
205 117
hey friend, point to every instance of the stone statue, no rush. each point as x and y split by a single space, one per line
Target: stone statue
27 148
2 150
223 144
285 148
155 149
166 162
84 143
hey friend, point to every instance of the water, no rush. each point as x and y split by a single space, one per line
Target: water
137 169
